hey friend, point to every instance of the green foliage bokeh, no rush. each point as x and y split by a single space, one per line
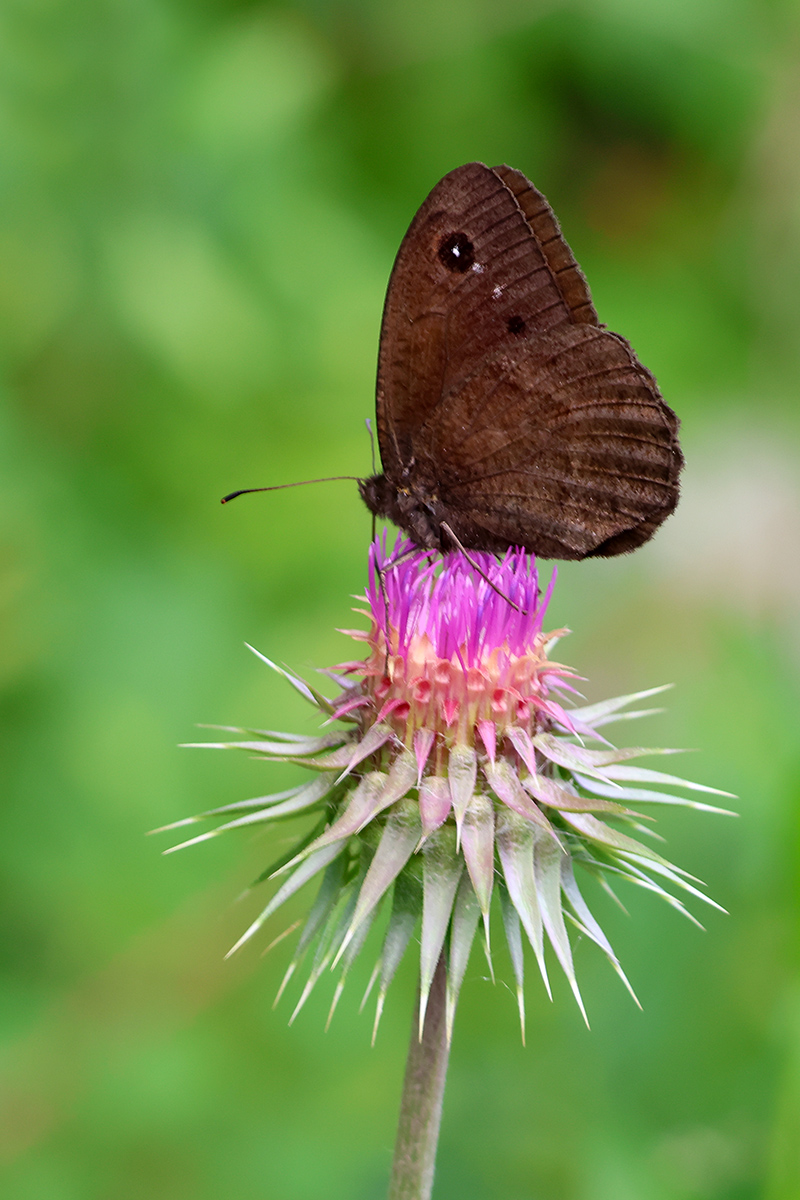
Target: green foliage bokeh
199 206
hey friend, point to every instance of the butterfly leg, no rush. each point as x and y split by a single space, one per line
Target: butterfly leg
476 567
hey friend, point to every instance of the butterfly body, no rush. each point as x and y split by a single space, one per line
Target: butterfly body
506 413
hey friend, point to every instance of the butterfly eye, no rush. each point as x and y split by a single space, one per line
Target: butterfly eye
456 252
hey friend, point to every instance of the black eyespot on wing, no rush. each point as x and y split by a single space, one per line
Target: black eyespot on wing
516 324
456 252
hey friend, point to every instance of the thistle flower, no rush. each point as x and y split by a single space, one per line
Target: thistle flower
458 768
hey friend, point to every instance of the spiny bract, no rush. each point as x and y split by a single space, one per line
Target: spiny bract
454 772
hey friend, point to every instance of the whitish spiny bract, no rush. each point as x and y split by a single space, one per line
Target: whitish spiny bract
452 772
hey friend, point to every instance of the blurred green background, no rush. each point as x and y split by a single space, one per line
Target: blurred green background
200 203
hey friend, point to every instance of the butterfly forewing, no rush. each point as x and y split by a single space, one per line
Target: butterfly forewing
469 278
504 409
545 228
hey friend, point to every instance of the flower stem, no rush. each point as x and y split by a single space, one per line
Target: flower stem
423 1093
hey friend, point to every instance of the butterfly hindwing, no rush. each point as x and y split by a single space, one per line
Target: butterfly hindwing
562 448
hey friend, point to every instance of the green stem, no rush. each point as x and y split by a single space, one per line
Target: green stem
423 1093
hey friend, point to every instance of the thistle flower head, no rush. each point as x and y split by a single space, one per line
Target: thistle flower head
455 773
454 653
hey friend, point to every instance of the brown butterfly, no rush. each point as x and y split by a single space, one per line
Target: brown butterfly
507 415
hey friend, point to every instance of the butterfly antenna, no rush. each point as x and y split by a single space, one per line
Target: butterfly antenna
477 567
277 486
368 424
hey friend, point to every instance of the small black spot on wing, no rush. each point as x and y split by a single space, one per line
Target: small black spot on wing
456 252
516 324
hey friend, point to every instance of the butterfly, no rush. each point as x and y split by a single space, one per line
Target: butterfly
507 415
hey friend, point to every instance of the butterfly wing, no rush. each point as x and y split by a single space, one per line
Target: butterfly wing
566 448
504 408
483 265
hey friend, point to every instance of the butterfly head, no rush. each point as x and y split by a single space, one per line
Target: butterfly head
411 507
